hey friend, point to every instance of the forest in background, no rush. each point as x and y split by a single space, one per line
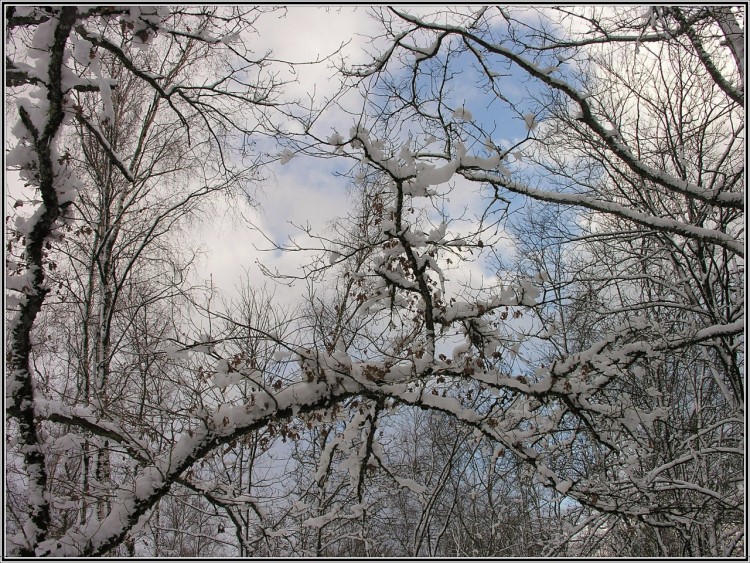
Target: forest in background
523 337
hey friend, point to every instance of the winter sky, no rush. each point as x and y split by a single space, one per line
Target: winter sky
304 190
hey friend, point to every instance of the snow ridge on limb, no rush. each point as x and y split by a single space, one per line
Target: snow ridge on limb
42 131
646 319
610 137
657 223
593 364
56 59
156 479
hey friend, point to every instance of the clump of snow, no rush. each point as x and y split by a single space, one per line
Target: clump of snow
285 156
463 114
438 234
410 484
334 257
489 163
176 352
224 380
21 283
531 122
564 486
529 293
320 521
428 175
68 443
281 354
148 482
338 140
105 92
424 52
230 38
82 50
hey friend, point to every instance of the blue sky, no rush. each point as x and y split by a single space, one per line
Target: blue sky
305 190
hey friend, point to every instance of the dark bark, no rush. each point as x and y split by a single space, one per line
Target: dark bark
22 386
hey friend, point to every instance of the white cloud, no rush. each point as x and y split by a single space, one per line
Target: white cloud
303 192
306 34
